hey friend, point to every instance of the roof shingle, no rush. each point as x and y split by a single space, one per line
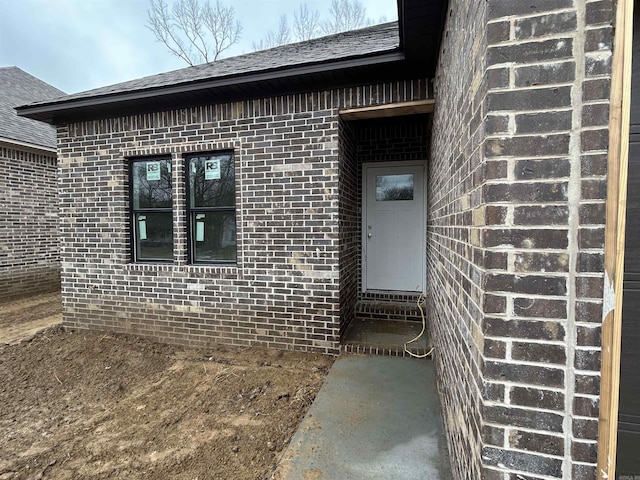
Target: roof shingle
356 43
17 87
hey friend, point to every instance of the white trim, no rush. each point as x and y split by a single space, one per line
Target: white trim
363 226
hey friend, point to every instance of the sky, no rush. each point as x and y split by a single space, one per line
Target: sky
77 45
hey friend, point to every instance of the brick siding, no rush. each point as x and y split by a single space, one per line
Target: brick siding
350 224
29 250
516 193
295 222
515 237
453 263
383 140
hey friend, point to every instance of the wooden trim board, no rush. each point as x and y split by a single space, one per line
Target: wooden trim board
616 207
389 110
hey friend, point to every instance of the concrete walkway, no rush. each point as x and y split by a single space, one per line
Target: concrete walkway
374 418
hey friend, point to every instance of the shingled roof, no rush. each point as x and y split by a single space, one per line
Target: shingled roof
388 52
353 44
17 87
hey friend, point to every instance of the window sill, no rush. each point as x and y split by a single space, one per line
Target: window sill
222 269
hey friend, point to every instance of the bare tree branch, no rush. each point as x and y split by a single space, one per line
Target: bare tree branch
194 31
200 31
195 16
188 19
345 15
223 27
284 32
162 25
282 36
306 23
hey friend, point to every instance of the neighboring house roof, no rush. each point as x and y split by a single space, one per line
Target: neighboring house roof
17 87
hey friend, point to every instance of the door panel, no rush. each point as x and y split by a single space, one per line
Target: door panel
628 457
394 228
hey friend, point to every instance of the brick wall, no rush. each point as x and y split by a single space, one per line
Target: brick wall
292 234
517 192
393 139
29 253
388 140
350 224
454 258
362 141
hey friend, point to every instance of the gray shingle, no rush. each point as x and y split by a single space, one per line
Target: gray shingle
17 87
356 43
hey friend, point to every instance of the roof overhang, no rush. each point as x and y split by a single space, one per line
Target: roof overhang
421 23
420 27
275 82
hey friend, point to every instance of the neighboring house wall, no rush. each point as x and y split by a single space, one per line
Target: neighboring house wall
29 252
29 248
284 291
516 234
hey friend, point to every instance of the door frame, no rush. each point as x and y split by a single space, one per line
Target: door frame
363 226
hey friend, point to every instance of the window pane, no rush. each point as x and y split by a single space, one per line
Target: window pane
394 187
154 236
212 181
152 184
214 236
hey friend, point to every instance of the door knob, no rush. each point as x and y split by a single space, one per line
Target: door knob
369 235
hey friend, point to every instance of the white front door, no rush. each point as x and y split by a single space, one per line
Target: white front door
394 227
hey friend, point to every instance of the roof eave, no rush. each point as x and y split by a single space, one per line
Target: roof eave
26 145
50 111
420 25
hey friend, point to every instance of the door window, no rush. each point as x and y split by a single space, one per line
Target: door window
394 187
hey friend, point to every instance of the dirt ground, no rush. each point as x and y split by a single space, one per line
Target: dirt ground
21 319
95 405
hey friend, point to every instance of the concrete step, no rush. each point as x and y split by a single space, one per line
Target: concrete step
385 337
388 310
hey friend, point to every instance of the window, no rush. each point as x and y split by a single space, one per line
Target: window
151 209
394 187
212 207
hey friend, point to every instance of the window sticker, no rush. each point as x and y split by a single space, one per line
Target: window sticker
142 227
200 228
212 169
153 170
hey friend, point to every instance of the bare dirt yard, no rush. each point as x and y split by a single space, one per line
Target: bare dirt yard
91 405
21 319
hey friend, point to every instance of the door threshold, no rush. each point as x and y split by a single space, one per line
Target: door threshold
389 296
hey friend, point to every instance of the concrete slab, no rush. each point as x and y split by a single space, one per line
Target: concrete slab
374 418
384 337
